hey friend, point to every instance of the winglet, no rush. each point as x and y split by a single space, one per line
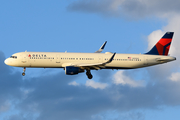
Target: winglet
101 48
110 60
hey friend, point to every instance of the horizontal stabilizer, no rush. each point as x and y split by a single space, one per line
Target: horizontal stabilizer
165 59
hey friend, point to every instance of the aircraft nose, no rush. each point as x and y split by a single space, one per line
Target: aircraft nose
6 61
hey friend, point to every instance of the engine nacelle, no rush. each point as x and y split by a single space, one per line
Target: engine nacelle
70 70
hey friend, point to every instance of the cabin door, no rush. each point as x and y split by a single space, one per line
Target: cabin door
145 60
100 59
24 58
57 58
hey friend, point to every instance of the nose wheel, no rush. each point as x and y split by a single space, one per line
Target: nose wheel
89 75
23 74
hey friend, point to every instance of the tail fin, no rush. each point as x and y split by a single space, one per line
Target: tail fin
163 45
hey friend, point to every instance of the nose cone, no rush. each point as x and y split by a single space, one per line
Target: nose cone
7 62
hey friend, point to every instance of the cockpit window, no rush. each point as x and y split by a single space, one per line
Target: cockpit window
14 57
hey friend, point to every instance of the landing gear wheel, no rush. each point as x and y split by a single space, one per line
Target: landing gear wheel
89 75
23 74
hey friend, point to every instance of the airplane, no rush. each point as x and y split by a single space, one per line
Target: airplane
74 63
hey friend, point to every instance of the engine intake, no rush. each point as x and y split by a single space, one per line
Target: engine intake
70 70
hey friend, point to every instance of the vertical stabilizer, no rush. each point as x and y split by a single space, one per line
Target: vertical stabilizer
163 45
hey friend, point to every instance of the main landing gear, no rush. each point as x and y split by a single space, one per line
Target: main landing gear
23 74
89 75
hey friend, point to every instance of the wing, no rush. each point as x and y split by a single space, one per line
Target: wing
101 48
96 66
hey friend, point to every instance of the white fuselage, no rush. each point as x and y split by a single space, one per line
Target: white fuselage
61 60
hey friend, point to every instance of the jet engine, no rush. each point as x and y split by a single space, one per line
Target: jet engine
70 70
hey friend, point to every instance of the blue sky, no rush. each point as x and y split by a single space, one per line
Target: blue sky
131 26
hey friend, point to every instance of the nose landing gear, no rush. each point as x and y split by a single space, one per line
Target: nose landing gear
89 75
23 74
